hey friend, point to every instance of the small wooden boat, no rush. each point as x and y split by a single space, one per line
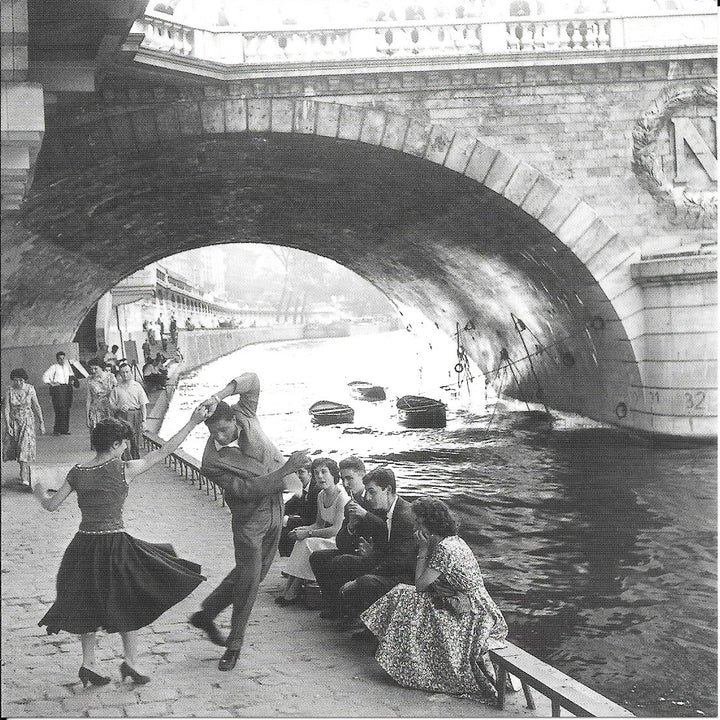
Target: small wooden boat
367 391
327 412
421 412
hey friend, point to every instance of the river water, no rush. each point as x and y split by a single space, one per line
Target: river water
600 552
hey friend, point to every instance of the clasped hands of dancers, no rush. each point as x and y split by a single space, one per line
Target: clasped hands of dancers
111 580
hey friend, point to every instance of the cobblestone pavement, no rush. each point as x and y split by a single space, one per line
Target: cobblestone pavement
293 663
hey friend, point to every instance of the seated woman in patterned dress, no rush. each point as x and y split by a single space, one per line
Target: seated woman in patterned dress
435 636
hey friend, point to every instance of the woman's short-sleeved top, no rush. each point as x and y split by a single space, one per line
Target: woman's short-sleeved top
101 492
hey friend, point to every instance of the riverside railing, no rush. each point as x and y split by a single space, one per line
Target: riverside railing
185 465
421 38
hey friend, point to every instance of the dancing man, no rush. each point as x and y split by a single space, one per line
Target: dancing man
237 455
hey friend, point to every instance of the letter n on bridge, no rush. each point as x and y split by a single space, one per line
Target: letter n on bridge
686 133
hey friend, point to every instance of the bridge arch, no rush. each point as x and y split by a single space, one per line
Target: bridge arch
434 217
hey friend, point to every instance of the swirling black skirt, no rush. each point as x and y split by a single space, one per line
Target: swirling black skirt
117 583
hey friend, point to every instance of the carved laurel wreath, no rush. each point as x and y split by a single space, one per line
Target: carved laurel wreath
646 161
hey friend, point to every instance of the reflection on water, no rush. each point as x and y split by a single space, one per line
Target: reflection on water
601 553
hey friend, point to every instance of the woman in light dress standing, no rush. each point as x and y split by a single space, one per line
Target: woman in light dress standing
20 408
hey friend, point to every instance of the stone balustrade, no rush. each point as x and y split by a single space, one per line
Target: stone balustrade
497 36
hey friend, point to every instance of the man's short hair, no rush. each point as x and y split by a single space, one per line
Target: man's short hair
353 462
222 412
383 477
59 353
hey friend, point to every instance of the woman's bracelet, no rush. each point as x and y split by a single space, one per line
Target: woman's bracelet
310 533
422 557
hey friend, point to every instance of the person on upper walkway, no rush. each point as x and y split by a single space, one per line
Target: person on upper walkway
241 459
435 635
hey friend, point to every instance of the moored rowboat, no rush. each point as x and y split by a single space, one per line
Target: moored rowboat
367 391
421 412
327 412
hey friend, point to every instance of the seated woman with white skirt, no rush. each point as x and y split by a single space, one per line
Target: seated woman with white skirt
321 534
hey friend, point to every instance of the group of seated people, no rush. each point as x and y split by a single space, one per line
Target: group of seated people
399 570
154 373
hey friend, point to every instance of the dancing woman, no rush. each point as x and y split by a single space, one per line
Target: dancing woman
107 578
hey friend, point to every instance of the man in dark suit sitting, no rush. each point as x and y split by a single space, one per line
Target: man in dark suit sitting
300 509
333 568
391 563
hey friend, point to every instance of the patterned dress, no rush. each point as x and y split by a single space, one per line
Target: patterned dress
426 648
109 579
100 389
20 405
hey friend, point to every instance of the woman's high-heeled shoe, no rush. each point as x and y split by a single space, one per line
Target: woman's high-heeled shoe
88 677
126 671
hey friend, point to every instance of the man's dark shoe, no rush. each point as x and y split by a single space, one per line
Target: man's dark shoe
203 622
228 660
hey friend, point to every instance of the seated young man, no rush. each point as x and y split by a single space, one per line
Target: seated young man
391 563
299 510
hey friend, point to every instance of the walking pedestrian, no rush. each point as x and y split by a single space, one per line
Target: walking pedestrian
100 385
241 459
129 402
61 379
109 579
20 408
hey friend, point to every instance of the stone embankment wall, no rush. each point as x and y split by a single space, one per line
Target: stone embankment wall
203 346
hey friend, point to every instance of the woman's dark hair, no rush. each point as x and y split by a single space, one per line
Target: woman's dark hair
435 515
18 373
107 431
330 464
97 362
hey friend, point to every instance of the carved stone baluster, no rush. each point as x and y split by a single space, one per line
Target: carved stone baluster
576 39
513 39
552 35
566 33
591 35
603 37
474 44
539 39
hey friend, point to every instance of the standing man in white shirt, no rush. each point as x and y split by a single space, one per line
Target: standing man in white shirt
129 402
61 379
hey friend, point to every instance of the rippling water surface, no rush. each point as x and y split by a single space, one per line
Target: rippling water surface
601 553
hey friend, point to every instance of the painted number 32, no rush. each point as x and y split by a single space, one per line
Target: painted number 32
695 401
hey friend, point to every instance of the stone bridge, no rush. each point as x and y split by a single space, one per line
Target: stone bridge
556 207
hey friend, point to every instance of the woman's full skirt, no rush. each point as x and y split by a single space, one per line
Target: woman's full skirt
118 583
428 649
298 564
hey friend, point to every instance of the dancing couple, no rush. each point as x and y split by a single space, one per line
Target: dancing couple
111 580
